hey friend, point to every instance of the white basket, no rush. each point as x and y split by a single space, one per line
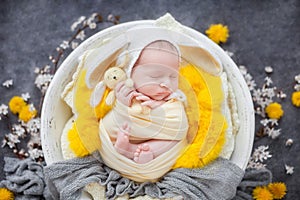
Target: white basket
55 112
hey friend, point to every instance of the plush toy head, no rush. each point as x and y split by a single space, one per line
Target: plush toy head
114 75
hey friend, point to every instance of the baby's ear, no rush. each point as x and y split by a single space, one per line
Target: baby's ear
98 60
201 58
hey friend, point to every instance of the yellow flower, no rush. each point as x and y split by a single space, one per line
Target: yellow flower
274 110
262 193
217 33
277 189
27 113
6 194
296 98
16 104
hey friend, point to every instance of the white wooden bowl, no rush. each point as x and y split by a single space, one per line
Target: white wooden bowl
55 111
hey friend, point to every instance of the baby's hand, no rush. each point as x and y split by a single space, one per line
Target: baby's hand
125 94
147 101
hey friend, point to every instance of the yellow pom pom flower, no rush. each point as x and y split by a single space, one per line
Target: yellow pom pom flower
16 104
6 194
218 33
27 113
274 110
278 190
262 193
296 98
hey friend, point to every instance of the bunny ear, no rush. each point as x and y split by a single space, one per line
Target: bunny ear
98 60
97 94
201 58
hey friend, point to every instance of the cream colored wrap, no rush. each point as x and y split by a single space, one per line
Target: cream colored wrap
167 122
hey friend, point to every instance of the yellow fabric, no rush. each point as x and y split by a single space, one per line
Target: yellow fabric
207 124
150 171
86 124
166 122
208 119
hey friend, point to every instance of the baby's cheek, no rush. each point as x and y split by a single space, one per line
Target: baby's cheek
148 89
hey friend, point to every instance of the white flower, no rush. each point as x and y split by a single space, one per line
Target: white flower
36 70
268 92
18 130
273 122
92 25
229 53
76 23
297 78
289 169
42 81
273 133
261 153
33 125
268 81
268 69
7 83
64 44
289 142
34 140
256 165
25 96
3 109
35 153
248 77
243 69
297 87
46 69
10 140
263 102
94 15
80 35
281 95
74 26
110 17
4 142
74 45
264 122
251 85
13 138
256 94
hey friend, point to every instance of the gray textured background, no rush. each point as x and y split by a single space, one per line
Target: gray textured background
262 33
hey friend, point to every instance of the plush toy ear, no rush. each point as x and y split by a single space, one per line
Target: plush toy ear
98 60
201 58
110 98
97 94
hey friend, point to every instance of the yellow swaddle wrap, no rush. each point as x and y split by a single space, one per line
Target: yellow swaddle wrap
166 122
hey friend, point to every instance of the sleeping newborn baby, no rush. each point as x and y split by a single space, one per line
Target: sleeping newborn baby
156 135
155 76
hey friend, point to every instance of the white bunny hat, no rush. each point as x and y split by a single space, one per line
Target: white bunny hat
135 48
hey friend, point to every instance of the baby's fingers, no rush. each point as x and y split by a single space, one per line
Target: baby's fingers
147 103
143 98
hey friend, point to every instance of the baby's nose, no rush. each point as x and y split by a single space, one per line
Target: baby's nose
166 84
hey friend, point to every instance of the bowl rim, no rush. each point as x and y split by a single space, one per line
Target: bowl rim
245 135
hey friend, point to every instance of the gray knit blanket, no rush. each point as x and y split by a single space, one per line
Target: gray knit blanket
25 178
65 180
218 180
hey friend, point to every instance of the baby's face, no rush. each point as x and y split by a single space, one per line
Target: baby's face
156 73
